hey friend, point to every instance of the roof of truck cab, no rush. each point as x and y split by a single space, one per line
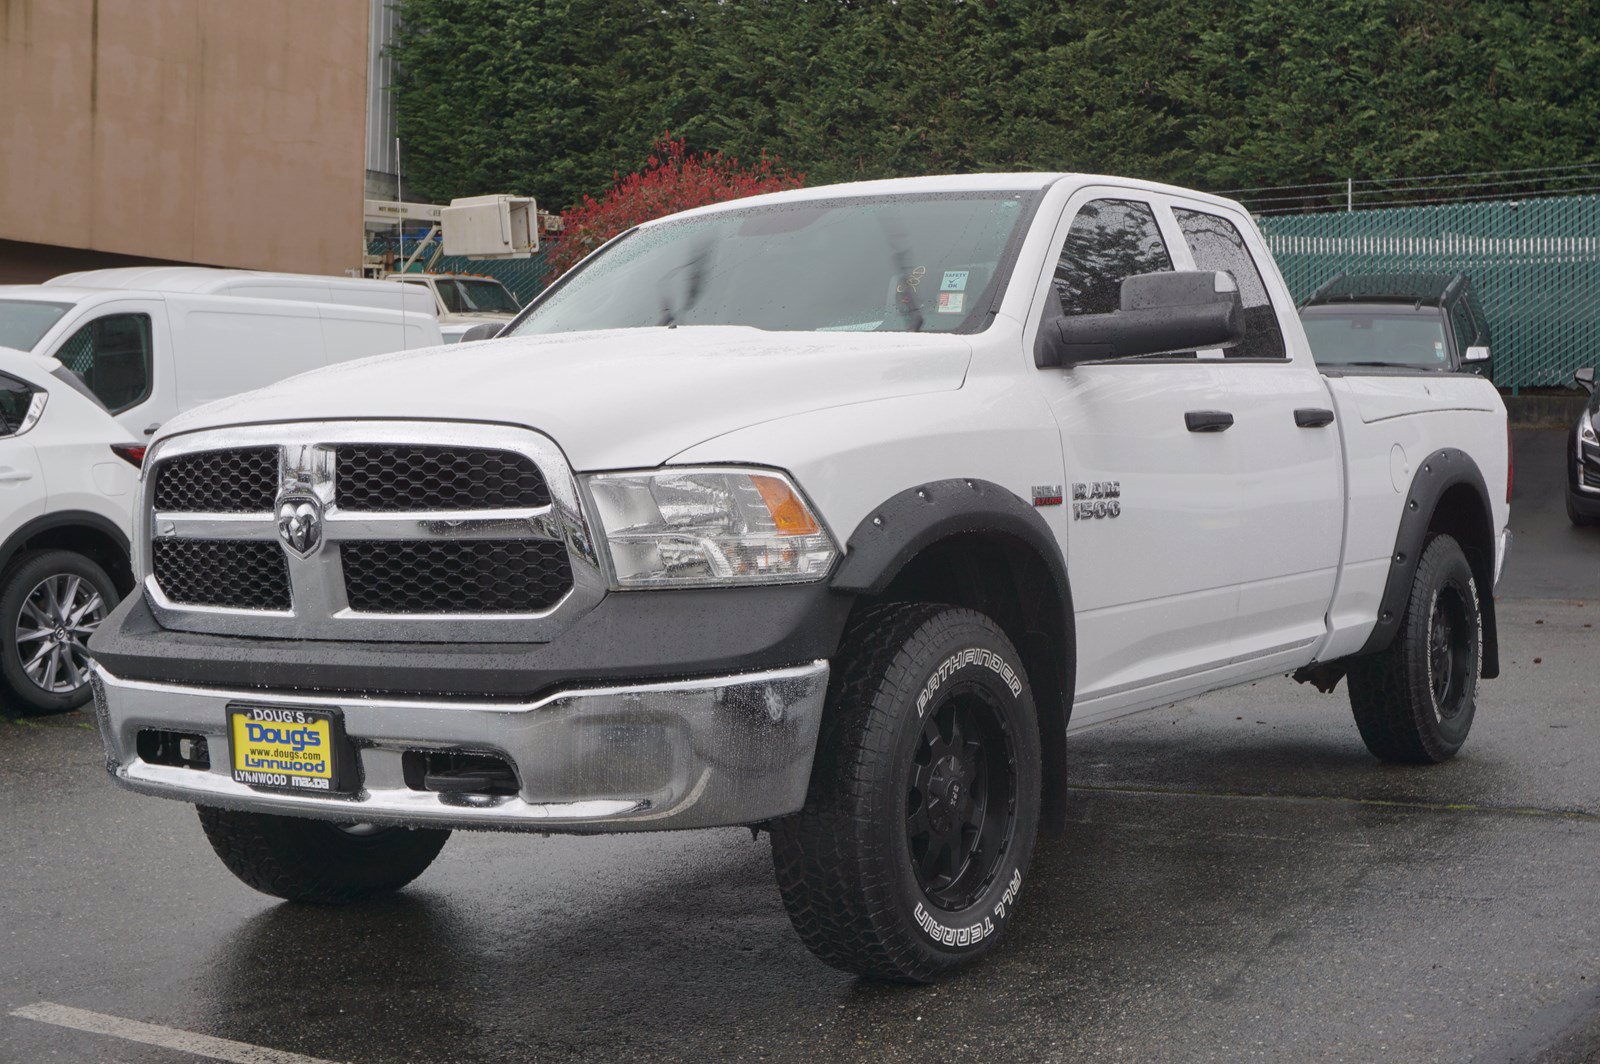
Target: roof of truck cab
997 182
200 280
1418 289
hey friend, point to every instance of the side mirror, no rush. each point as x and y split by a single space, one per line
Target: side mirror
1475 359
1160 313
485 331
1584 378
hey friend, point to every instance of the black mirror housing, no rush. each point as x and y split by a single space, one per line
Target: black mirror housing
486 331
1160 313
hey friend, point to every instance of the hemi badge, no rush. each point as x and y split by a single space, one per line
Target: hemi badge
1047 495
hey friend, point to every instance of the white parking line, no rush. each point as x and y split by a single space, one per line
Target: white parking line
166 1037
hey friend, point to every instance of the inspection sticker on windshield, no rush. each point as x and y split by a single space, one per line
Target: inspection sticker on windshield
952 302
953 281
292 749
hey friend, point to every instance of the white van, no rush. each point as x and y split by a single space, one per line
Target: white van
148 353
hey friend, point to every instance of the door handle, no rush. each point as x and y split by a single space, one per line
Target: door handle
1313 417
1208 420
150 429
14 476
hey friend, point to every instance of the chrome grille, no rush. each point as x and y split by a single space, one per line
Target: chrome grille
455 576
234 481
211 572
1591 476
428 531
393 479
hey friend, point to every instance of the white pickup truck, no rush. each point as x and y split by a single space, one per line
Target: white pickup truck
822 512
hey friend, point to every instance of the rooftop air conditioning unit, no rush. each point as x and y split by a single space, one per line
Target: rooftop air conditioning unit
491 227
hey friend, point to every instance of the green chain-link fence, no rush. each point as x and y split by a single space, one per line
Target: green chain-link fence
1535 264
524 277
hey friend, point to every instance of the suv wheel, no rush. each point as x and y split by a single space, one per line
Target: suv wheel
50 603
924 799
1414 702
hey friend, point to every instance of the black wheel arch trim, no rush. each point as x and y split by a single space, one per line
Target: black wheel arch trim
918 518
1438 473
63 519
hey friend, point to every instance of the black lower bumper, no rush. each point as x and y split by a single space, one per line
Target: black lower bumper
629 636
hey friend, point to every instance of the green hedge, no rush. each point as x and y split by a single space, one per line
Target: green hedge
553 97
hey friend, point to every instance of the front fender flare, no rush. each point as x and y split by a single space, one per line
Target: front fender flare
912 521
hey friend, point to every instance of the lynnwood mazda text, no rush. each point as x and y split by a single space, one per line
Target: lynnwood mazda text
822 512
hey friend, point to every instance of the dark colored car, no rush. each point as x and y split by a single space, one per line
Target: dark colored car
1583 457
1402 321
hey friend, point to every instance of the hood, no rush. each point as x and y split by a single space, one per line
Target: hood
625 397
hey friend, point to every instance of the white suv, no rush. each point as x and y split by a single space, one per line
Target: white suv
68 473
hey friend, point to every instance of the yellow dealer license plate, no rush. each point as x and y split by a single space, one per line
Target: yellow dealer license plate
288 749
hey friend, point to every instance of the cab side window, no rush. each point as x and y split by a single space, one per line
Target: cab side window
1110 239
1217 244
15 398
112 355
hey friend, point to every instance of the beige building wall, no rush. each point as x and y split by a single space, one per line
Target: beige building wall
226 132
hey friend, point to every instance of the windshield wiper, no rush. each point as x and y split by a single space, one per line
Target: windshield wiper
910 307
698 268
1383 365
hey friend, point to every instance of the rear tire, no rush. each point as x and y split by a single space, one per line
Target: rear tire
1414 702
315 861
924 798
51 601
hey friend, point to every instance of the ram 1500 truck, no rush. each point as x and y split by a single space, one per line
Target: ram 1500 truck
822 512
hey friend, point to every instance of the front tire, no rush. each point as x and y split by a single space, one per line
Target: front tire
51 602
315 861
1414 702
924 800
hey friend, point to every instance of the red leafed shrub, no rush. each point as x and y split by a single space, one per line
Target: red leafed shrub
673 179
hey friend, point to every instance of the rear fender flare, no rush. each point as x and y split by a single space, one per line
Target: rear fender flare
1438 473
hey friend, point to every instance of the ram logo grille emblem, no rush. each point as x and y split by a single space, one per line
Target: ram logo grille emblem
300 523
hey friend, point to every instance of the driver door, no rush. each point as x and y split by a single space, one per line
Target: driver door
1153 535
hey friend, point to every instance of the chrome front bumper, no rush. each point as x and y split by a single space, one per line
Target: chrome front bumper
683 754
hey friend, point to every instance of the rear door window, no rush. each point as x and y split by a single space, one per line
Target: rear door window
112 356
1217 244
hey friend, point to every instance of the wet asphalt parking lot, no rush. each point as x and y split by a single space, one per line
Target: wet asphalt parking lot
1239 880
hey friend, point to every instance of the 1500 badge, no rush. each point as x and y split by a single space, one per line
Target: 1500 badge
1096 498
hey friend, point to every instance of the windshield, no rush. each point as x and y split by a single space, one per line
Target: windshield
485 296
1391 336
929 263
24 321
475 297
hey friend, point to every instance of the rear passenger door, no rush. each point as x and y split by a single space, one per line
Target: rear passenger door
1283 446
1153 543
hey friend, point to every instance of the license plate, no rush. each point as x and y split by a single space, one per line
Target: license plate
287 749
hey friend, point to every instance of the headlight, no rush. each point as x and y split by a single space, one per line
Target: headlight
708 528
1586 429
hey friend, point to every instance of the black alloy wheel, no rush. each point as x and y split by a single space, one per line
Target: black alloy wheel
961 807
